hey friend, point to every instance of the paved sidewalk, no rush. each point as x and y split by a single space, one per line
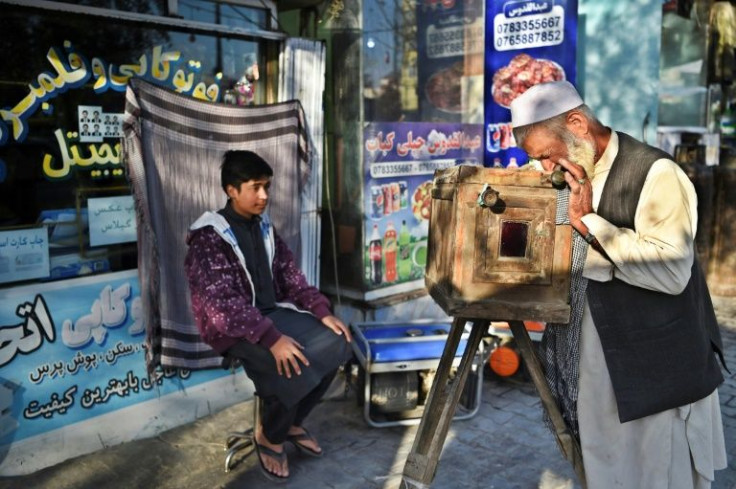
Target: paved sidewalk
505 446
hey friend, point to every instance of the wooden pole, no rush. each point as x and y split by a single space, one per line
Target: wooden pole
421 464
567 443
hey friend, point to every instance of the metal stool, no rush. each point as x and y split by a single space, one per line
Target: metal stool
240 440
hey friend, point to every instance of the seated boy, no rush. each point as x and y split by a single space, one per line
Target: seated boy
251 302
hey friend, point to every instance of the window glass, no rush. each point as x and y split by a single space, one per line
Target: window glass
65 204
228 14
422 64
423 60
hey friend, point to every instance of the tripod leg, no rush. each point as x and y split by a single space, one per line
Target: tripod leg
567 443
421 464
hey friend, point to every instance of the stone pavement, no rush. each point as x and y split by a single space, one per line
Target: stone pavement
505 446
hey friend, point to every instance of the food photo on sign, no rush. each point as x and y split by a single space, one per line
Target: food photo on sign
520 74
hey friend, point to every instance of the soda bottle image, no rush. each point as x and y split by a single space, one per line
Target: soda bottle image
404 252
375 252
388 200
376 201
389 243
404 191
493 138
396 196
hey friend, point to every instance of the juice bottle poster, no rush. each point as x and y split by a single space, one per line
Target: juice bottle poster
400 161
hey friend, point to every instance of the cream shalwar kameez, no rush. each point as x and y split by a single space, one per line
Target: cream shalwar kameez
675 449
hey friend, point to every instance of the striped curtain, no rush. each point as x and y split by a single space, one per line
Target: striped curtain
172 149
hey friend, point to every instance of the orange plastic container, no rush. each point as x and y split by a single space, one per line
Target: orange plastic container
504 361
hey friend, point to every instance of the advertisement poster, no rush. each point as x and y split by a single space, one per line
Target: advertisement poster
450 60
111 220
24 254
527 42
72 351
400 161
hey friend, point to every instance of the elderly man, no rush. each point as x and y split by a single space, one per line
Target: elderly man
635 372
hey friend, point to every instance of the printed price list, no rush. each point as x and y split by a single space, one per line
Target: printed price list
531 31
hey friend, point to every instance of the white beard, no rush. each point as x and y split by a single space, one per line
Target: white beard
582 152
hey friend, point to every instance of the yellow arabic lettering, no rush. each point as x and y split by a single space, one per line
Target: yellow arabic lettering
65 76
71 156
14 115
160 64
182 82
100 74
200 91
117 81
213 92
131 70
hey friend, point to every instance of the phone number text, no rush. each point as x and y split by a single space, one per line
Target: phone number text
536 31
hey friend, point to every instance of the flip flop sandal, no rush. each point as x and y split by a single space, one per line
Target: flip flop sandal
295 439
280 456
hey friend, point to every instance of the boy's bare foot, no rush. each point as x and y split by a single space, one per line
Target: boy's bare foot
304 441
273 458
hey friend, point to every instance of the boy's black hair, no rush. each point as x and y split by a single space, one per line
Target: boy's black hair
239 166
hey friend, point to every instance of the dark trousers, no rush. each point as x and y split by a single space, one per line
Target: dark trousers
287 401
277 418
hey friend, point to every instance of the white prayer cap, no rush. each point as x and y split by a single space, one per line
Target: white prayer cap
543 101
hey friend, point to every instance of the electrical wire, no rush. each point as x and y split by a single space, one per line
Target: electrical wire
328 197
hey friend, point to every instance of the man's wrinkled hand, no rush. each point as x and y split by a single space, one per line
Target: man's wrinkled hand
581 192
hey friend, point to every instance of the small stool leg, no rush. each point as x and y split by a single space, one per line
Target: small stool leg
240 440
421 464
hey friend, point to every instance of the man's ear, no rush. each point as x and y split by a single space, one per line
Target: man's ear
577 123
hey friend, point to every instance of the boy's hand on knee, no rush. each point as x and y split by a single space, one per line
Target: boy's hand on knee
334 323
288 352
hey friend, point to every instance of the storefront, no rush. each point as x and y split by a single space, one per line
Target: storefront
72 372
414 91
411 88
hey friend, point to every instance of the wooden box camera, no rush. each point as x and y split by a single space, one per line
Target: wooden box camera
495 251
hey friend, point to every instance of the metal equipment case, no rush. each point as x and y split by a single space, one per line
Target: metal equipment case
397 362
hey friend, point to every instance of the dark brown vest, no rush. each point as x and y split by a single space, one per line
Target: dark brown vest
659 348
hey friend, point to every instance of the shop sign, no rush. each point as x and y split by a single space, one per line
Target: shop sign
527 42
70 69
72 351
24 254
111 220
400 160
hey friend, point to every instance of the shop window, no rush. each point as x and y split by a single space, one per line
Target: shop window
65 204
223 13
423 61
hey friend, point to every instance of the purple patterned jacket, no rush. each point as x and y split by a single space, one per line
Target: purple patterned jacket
223 300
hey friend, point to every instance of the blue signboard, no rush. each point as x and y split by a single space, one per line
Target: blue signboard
527 42
75 350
